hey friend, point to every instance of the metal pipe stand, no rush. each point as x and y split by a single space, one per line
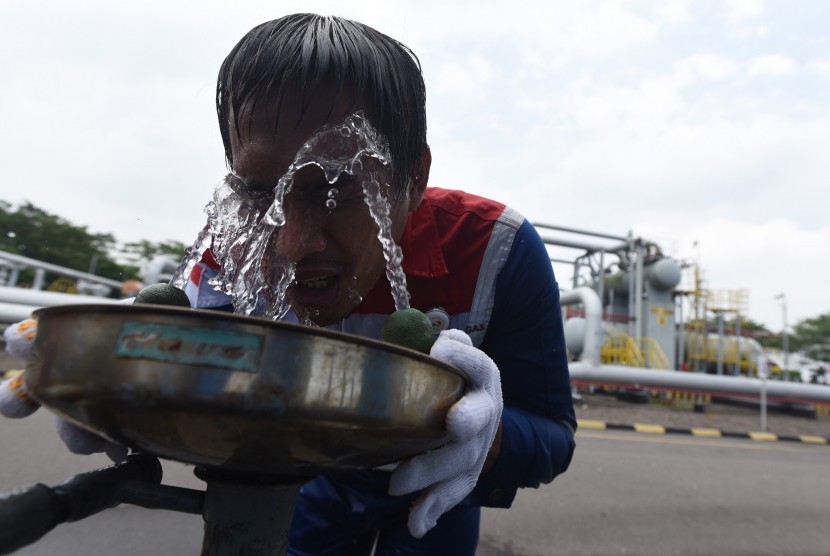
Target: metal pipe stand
244 515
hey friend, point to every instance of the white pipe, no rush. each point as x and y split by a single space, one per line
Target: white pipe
698 382
17 304
638 295
631 312
593 320
681 334
601 276
15 312
26 296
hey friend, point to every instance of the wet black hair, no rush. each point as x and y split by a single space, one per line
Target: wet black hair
300 53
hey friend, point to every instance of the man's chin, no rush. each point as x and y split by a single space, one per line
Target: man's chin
321 307
317 316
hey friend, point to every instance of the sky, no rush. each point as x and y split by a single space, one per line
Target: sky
702 126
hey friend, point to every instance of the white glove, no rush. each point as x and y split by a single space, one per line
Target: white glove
450 473
15 402
20 338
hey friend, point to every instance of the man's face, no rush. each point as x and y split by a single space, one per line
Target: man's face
336 251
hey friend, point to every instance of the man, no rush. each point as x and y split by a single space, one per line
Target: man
470 263
324 126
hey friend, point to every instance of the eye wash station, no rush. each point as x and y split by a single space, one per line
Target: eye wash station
191 386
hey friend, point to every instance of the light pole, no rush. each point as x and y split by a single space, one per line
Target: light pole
763 371
785 343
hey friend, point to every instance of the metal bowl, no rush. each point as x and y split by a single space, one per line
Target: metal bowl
241 394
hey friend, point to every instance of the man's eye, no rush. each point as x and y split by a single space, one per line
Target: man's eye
244 188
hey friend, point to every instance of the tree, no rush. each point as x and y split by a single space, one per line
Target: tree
748 327
37 234
812 336
144 250
819 376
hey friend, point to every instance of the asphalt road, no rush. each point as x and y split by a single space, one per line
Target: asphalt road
631 493
626 493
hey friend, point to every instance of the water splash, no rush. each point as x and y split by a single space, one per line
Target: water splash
380 209
191 256
243 225
331 203
351 289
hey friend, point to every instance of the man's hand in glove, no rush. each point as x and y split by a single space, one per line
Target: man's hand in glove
448 475
15 402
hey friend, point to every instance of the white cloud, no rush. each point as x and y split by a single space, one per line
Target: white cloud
704 66
740 10
673 11
611 28
772 65
745 19
821 67
469 79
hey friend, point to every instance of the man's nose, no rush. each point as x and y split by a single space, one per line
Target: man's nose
303 232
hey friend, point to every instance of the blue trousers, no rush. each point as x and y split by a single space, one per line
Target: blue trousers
349 514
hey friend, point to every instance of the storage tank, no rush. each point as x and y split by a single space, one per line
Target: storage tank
664 274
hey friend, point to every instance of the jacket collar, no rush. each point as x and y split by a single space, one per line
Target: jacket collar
421 244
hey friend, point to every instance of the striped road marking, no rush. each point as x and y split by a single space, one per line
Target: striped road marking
701 432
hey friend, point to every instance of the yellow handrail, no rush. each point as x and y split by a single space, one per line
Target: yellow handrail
621 349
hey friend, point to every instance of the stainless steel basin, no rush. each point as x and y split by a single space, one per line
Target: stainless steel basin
239 393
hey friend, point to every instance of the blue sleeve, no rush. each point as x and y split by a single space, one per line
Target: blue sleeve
526 340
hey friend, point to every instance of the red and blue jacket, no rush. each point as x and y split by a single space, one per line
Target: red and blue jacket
485 266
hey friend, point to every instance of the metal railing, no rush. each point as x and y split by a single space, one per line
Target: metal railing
13 264
17 303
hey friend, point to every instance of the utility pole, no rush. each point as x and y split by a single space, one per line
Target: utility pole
785 341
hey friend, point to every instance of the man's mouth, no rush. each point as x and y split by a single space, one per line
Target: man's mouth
315 291
316 283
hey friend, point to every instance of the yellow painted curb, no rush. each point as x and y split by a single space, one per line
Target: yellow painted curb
652 429
766 436
706 432
813 439
587 424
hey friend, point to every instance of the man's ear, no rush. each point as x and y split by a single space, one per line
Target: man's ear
419 179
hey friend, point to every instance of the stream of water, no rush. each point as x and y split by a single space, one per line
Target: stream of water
242 225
